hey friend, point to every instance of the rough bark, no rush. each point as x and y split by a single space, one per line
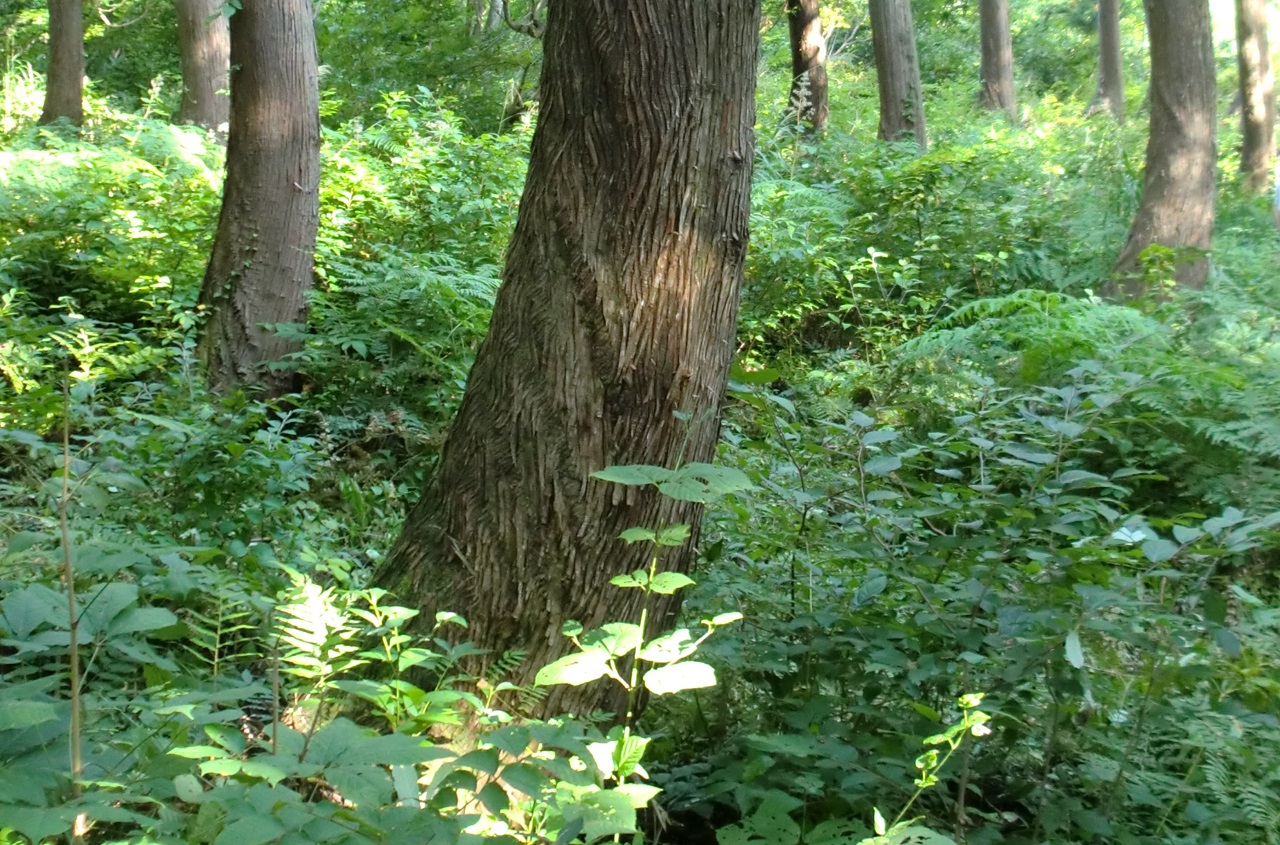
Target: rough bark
1257 94
260 269
997 92
204 51
64 85
617 310
897 71
1110 94
808 63
1179 185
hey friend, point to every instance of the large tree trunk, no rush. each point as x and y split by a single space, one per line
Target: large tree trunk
204 51
997 58
1180 183
897 71
617 311
808 63
1257 94
260 269
1110 93
64 85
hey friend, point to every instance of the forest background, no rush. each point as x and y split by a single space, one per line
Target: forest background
947 467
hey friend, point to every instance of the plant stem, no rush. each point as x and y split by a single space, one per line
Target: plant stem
73 622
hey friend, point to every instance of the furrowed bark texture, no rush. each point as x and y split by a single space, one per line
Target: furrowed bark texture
260 269
997 92
1180 185
204 52
64 84
893 38
808 63
1257 94
618 308
1110 93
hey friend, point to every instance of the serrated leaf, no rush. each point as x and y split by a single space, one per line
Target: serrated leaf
615 638
637 535
679 676
673 535
668 647
667 583
574 669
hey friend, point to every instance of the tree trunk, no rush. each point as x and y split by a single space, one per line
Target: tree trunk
617 310
64 85
808 63
1257 94
1110 93
493 16
260 269
897 71
1180 183
204 48
997 58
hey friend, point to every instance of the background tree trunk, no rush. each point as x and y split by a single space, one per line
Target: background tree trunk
64 84
1110 93
1180 184
617 309
260 269
1257 94
997 58
204 49
897 71
808 63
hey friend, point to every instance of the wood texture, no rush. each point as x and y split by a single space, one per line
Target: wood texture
893 38
617 310
260 269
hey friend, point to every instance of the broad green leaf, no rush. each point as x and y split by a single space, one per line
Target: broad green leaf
1030 454
667 583
1074 650
1159 549
725 618
606 813
615 638
882 465
574 669
880 435
526 778
636 535
140 620
673 535
679 676
668 647
25 714
633 474
252 830
640 794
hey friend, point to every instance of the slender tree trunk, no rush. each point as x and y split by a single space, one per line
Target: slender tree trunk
64 85
493 16
1180 183
1257 94
893 37
808 63
204 49
260 269
1110 93
997 58
617 311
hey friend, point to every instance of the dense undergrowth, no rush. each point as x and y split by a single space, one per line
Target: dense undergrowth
965 473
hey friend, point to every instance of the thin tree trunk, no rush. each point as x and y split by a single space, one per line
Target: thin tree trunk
1257 94
1110 93
1179 187
617 311
893 38
64 85
204 50
493 19
808 63
997 58
260 269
